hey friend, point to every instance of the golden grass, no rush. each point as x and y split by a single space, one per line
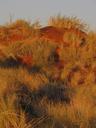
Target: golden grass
31 97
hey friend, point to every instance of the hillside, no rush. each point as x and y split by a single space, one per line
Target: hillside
47 74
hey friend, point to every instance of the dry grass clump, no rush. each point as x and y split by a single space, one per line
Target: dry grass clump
9 118
67 22
79 113
35 50
18 30
18 98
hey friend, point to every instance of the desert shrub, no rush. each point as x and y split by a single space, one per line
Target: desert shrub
23 23
19 23
9 116
67 22
42 50
19 48
12 76
26 27
35 49
3 33
25 87
76 114
69 54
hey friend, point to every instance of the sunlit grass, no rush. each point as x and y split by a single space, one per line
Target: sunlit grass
43 94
